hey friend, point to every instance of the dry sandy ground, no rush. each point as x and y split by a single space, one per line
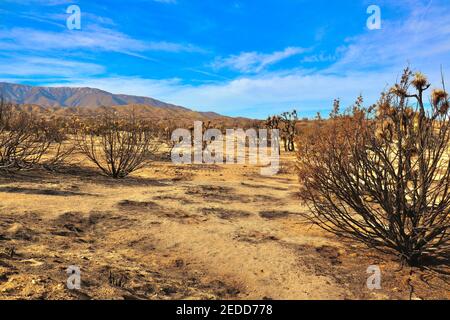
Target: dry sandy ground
191 232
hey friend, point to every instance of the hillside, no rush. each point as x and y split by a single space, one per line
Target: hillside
71 97
65 101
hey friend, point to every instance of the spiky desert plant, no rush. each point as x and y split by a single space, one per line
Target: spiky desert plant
289 129
381 175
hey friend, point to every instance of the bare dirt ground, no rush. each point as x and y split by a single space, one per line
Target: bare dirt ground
183 232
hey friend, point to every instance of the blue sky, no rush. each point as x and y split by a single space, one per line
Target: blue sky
236 57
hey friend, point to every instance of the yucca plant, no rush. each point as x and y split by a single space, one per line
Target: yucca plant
381 175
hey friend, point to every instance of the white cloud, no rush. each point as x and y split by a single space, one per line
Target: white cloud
264 95
366 65
166 1
20 66
126 85
249 62
92 38
40 2
322 57
422 39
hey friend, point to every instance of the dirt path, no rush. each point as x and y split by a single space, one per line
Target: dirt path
198 232
240 245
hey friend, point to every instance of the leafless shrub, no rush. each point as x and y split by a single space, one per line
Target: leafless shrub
17 147
381 175
117 146
27 140
165 133
55 132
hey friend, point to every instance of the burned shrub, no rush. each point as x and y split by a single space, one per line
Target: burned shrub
381 175
27 140
117 146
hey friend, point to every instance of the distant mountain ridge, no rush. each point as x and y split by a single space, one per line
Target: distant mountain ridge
66 101
72 97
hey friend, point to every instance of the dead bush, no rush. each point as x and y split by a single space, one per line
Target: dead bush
27 140
381 175
117 146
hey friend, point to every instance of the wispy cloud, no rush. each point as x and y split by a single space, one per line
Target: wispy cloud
249 62
91 38
321 57
35 66
419 37
40 2
263 95
366 64
166 1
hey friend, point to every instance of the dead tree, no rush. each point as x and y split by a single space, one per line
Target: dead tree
289 120
273 123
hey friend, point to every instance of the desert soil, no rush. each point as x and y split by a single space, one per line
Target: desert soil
183 232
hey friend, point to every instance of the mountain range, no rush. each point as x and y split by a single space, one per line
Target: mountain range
71 97
67 100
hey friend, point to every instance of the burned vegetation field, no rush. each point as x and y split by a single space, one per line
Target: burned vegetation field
358 207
